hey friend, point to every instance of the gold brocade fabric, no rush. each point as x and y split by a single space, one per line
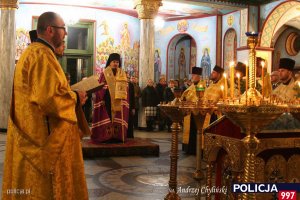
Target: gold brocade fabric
186 129
189 95
43 160
117 86
286 92
214 92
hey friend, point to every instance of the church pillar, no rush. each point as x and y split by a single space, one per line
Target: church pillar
219 41
147 10
7 56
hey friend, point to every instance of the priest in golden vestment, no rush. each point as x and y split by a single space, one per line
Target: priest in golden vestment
43 152
189 125
285 91
214 92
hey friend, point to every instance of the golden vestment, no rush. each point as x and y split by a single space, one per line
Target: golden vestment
117 87
43 150
189 95
286 92
111 108
214 92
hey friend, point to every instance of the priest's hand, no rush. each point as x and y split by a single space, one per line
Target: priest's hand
81 134
82 97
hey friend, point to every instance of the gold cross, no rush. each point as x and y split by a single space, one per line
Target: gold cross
230 20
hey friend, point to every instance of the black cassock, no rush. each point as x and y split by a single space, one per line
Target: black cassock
131 107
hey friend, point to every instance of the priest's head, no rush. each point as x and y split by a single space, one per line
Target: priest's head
196 74
286 66
51 28
114 60
240 68
217 73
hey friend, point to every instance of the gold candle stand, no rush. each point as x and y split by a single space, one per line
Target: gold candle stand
251 113
172 111
199 111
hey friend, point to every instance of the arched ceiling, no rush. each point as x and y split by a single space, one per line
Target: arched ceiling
295 22
171 9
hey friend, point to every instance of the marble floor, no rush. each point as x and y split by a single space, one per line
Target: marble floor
135 177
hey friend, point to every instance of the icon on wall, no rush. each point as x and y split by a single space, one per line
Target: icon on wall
157 65
206 63
182 26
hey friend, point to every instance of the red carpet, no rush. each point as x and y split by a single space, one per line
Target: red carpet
132 147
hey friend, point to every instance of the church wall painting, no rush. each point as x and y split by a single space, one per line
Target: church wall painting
182 59
193 55
171 52
22 41
202 30
205 63
115 32
157 65
230 22
266 9
244 27
229 48
179 56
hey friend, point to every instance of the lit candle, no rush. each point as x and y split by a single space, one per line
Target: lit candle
247 79
239 83
247 75
225 85
222 89
262 78
231 67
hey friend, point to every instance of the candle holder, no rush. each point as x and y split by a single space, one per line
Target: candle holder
173 112
251 119
200 92
199 111
177 94
251 113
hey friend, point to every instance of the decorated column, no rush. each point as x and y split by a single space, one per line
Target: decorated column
7 56
147 10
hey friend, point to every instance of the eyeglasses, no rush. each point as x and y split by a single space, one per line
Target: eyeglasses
60 27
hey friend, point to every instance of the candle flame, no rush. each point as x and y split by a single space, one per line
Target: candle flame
238 75
225 75
222 87
262 64
231 64
246 63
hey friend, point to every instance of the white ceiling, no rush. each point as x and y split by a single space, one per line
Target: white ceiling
295 22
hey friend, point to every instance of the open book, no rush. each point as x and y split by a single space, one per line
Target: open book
89 85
